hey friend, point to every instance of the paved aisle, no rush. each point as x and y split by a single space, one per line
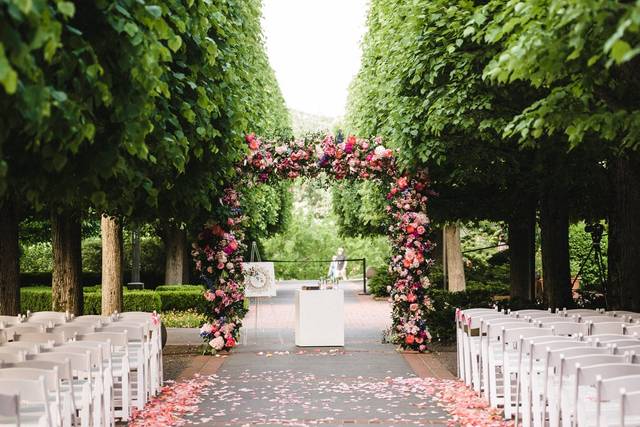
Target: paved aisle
269 381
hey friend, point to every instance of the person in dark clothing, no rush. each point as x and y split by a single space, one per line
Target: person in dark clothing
341 265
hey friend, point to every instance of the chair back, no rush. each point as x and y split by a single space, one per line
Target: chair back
10 406
609 388
596 319
631 329
601 328
12 356
51 377
556 356
570 365
571 329
116 339
541 349
64 368
556 319
513 337
42 338
494 330
30 391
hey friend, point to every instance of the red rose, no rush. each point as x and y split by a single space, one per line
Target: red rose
230 342
410 339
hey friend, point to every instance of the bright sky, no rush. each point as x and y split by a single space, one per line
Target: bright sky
314 48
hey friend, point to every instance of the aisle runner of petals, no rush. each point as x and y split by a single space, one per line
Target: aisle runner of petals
176 400
179 402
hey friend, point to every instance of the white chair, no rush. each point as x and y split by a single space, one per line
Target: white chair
33 394
52 383
101 381
472 343
22 328
571 329
567 381
512 339
556 319
119 366
79 379
586 389
601 328
9 409
534 371
491 353
139 358
59 316
601 318
11 356
26 346
632 329
629 408
580 312
608 400
45 339
70 330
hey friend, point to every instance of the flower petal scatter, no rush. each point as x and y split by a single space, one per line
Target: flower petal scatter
217 251
176 400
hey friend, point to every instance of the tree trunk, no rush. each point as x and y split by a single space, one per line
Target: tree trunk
176 252
554 227
111 229
455 265
522 249
66 280
9 259
624 234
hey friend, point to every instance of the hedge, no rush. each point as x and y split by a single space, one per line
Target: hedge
199 288
182 300
39 299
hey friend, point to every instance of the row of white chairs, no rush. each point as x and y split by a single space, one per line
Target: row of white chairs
563 368
85 370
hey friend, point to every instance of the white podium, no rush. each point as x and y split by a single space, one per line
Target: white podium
320 318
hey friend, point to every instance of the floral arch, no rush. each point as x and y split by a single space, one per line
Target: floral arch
218 251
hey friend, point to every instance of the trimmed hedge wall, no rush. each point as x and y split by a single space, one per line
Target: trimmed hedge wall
39 299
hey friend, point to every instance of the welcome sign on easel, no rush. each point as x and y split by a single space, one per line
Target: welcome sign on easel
259 279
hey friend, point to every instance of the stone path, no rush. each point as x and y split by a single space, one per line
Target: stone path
268 381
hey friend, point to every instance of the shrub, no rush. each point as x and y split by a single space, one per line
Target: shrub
151 257
35 299
182 300
39 299
36 257
440 319
183 319
379 282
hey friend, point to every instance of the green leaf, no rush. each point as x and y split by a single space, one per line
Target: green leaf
131 28
175 42
24 5
619 50
155 11
67 8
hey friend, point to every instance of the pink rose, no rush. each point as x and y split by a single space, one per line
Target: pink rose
217 343
209 296
413 307
220 266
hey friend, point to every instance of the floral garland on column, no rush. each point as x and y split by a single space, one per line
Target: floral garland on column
217 253
218 257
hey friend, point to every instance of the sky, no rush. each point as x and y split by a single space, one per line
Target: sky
314 49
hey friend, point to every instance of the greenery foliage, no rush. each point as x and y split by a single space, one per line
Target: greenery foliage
313 234
379 284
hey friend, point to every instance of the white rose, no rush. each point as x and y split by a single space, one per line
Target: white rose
217 343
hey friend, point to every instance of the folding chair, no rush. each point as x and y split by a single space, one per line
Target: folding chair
629 408
33 395
9 409
586 387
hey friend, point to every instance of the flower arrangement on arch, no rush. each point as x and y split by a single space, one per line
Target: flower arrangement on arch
217 252
218 258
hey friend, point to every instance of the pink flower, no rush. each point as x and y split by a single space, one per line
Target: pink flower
219 292
217 343
206 329
411 297
230 342
209 296
413 307
220 266
420 229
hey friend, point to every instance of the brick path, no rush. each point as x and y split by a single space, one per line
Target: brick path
268 381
